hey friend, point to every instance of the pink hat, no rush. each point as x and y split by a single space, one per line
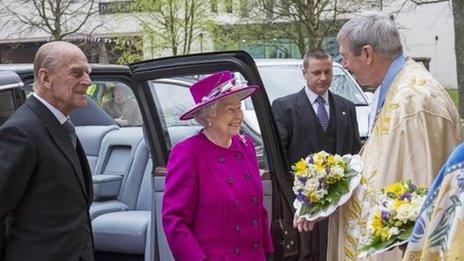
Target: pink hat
215 87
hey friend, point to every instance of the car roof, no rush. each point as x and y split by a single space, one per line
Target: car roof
114 68
9 80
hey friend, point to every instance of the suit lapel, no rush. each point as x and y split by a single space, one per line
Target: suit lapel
59 136
341 121
307 120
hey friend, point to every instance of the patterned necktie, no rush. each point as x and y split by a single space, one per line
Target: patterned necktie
322 113
69 128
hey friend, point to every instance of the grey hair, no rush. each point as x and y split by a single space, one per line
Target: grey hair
49 57
374 29
202 116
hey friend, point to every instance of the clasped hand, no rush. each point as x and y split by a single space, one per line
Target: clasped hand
302 224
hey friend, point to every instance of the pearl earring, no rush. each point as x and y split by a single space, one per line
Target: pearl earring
209 124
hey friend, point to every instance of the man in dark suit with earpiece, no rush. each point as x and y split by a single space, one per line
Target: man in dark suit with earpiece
312 120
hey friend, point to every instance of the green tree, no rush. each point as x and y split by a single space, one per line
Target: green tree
304 23
171 24
129 48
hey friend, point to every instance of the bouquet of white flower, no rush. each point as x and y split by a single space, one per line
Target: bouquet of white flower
323 182
392 221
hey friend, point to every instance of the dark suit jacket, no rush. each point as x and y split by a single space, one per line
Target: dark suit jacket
298 133
45 189
299 136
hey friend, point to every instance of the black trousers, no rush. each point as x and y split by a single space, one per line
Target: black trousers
313 245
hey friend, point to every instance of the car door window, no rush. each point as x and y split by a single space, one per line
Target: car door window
10 100
118 100
7 106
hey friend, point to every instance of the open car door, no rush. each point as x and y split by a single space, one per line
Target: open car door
161 88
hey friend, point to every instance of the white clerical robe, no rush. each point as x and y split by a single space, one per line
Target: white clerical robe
416 130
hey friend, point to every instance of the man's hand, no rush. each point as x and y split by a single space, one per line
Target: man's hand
302 224
403 248
121 121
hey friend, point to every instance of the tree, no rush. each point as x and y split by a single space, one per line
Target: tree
305 23
458 10
171 24
58 18
129 48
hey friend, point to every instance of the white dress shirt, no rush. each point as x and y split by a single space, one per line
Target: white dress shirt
57 113
312 99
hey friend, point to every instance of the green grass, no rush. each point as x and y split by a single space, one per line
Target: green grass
454 95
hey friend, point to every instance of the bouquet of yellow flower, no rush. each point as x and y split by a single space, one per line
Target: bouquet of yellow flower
323 182
392 221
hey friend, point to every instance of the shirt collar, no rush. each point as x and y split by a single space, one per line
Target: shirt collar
393 70
312 96
57 113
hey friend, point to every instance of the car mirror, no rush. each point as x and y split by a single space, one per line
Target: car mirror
369 96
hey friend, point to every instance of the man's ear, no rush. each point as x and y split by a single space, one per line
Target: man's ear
368 53
45 78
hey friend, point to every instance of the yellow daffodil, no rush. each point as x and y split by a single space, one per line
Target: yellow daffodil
383 233
300 167
396 188
398 203
377 221
313 197
331 161
319 167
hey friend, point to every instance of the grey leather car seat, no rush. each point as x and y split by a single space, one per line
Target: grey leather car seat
119 170
128 231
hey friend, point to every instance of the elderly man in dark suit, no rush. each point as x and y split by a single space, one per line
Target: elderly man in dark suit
312 120
45 181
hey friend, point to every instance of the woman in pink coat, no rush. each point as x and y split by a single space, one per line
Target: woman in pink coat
213 199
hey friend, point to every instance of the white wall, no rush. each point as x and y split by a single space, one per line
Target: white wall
428 31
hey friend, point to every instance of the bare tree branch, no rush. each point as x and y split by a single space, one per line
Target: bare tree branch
304 22
424 2
58 18
175 23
